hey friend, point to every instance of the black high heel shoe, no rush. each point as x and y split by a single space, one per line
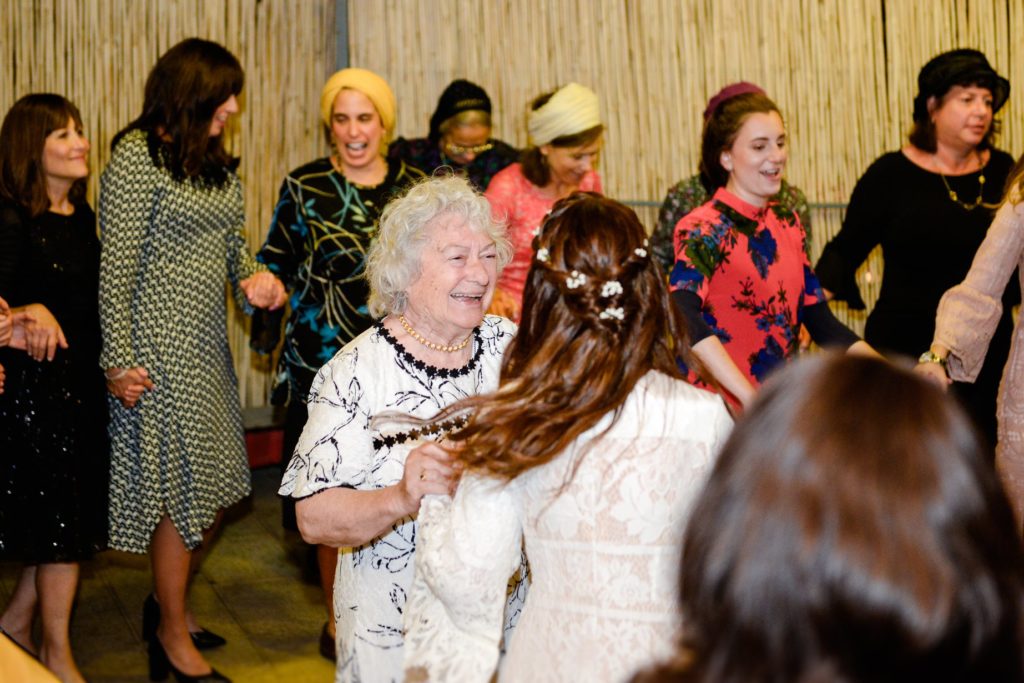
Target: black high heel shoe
160 666
202 639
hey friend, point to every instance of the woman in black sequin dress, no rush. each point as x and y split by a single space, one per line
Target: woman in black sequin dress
53 414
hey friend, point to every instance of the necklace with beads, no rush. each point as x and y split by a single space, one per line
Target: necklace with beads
956 198
429 344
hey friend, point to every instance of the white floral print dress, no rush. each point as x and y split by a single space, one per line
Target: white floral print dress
339 447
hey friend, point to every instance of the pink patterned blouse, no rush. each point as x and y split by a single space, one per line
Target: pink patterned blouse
524 204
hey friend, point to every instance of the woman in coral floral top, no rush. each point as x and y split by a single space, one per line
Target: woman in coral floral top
741 275
565 133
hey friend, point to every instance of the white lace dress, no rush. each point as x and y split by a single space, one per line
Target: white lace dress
604 554
371 375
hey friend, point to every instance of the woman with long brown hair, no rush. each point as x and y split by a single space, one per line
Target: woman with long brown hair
171 214
591 450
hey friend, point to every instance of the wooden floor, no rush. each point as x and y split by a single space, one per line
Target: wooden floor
254 589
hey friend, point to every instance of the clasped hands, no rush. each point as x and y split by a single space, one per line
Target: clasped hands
127 384
32 329
264 290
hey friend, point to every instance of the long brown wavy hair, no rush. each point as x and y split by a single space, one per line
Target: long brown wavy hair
183 91
596 318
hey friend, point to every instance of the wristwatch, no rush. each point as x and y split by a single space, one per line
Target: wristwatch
930 357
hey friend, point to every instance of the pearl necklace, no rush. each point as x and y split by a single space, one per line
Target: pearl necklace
429 344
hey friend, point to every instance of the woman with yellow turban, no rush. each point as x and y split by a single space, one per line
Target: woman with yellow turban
325 219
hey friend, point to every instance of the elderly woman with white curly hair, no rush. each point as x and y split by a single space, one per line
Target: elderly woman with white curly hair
356 472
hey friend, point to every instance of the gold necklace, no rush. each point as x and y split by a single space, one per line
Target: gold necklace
429 344
956 198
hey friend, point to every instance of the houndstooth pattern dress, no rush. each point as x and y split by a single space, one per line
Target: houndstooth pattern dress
168 247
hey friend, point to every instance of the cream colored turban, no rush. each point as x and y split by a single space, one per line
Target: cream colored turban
572 109
366 82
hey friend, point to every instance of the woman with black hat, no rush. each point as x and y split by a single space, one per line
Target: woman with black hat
460 137
928 205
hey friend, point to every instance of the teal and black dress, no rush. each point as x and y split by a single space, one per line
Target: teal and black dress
317 245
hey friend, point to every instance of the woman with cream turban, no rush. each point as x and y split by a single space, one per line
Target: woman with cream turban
565 140
325 219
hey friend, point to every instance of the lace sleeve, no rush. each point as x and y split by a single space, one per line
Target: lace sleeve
969 312
466 550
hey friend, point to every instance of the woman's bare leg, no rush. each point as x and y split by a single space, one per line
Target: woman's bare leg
172 562
56 584
17 618
327 559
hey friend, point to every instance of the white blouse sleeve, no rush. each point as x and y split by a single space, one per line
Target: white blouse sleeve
466 550
336 446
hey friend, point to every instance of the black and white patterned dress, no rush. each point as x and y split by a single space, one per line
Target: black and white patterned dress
168 248
339 447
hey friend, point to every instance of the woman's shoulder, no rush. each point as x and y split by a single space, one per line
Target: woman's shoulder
999 164
321 166
510 176
496 332
131 149
673 405
13 216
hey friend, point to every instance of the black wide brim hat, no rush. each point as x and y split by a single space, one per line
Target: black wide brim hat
958 67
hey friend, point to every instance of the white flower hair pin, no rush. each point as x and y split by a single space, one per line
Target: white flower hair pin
543 255
612 312
642 251
575 279
611 288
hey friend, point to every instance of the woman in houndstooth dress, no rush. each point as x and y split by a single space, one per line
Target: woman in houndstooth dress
171 213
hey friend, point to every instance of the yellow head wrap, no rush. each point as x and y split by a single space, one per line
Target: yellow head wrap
572 109
368 83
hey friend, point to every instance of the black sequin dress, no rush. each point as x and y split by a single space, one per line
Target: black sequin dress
54 451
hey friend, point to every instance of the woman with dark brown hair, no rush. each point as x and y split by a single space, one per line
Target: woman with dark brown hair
860 546
591 450
171 214
565 141
54 451
742 277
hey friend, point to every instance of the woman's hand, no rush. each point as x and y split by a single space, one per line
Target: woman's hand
504 304
264 290
429 468
935 372
42 332
128 384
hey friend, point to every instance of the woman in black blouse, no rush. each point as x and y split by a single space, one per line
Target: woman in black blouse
53 413
928 205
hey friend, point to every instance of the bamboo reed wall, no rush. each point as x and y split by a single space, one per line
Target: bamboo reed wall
843 71
98 53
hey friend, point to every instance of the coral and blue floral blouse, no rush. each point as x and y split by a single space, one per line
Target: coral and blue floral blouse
749 268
